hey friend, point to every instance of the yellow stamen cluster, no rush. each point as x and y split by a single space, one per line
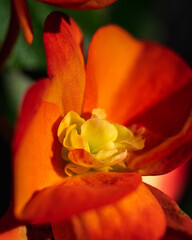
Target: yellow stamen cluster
95 144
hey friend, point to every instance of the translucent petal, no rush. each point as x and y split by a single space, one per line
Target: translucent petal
78 141
104 159
71 169
123 133
70 118
99 113
67 137
108 145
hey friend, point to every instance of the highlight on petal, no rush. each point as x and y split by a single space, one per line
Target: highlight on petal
24 19
135 216
173 184
37 163
104 78
177 220
78 194
79 4
62 39
153 87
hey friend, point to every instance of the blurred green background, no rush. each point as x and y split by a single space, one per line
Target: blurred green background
165 21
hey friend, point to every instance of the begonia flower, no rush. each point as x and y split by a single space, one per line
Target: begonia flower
20 18
86 135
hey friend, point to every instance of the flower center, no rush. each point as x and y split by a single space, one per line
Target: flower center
95 144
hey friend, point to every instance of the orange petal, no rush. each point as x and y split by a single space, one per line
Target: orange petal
35 135
37 163
24 19
78 194
111 57
146 84
32 101
136 216
79 4
177 220
65 88
18 233
167 156
62 40
136 76
172 150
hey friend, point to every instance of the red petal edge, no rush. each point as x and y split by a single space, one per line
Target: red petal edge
178 223
79 194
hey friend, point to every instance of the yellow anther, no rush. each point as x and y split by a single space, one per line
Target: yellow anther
70 119
95 144
98 132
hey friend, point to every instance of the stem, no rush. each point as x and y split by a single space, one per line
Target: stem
10 38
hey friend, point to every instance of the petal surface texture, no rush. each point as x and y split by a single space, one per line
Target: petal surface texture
37 161
65 63
121 220
146 84
177 221
78 194
79 4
